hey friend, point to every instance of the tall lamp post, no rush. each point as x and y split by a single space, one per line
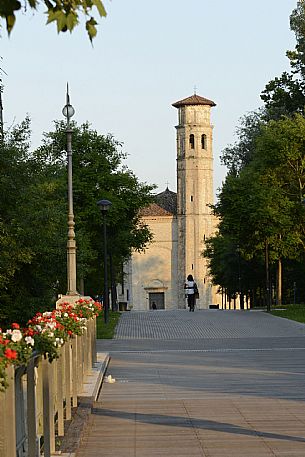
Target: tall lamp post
68 112
104 206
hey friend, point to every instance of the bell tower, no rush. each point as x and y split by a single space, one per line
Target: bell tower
194 193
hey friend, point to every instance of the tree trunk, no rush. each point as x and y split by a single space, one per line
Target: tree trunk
279 283
242 300
267 276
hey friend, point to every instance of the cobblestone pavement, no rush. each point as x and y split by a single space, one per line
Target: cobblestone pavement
209 384
181 324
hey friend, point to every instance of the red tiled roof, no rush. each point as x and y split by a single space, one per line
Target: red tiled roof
194 100
154 210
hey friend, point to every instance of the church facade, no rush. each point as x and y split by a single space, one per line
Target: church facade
180 222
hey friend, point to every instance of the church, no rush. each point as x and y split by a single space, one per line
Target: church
180 222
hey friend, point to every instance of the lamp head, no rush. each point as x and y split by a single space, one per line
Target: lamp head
68 110
104 206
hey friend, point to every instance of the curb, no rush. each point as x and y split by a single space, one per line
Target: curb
76 427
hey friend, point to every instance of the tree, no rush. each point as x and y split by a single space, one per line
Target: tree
33 215
285 94
98 173
30 239
237 156
262 204
65 13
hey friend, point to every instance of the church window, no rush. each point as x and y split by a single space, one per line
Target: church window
203 141
204 237
191 198
192 266
192 141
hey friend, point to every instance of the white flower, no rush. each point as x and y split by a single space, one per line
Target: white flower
47 314
66 314
29 340
16 336
9 332
51 325
38 328
59 341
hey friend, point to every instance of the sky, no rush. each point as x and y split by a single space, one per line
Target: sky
146 56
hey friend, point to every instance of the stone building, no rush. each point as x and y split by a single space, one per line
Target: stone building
180 222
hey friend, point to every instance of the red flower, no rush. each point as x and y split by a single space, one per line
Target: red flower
10 353
15 325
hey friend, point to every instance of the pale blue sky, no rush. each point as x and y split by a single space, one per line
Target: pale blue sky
146 56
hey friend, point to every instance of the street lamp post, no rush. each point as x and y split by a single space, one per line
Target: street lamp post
104 206
68 112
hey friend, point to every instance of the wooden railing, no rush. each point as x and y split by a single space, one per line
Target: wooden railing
40 397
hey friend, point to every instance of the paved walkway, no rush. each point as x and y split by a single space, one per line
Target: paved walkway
210 383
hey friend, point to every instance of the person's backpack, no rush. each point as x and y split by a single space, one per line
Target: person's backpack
196 290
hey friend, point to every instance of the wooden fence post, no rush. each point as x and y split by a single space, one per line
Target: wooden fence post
48 414
33 450
60 393
7 408
74 370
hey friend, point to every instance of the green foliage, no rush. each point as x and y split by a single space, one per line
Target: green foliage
285 95
98 173
238 155
106 331
33 215
292 312
65 13
32 241
261 203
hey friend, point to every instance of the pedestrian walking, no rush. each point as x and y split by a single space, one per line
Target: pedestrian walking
191 291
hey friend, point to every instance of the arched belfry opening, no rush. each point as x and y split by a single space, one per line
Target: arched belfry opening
203 141
192 141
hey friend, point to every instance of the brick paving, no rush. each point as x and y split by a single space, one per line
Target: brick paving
209 384
181 324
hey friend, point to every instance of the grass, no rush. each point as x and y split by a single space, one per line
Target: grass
292 312
106 331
